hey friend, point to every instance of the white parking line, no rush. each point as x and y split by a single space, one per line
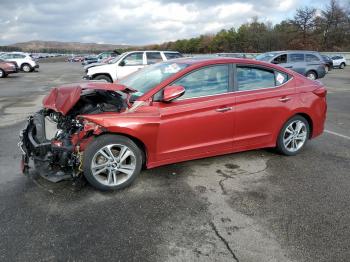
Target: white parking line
337 134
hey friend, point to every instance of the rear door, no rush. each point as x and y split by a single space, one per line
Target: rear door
297 61
153 57
264 98
202 120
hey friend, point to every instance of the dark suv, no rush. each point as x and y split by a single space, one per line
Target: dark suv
307 63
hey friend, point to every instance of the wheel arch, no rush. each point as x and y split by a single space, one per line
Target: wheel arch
103 74
308 119
136 140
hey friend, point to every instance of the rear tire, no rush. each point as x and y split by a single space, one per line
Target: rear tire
103 77
311 75
293 136
2 73
26 68
112 162
342 66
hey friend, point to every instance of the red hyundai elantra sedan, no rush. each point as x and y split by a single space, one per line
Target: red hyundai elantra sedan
170 112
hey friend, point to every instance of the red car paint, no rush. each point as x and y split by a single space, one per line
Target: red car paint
63 98
194 128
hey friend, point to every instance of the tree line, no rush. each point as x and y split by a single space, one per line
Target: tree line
309 29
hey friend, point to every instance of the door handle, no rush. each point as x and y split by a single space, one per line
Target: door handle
288 67
284 99
224 109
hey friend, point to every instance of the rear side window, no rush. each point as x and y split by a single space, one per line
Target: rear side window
296 58
172 55
250 78
206 81
153 57
312 58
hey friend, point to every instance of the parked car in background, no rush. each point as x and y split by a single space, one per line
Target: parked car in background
339 61
307 63
74 58
233 55
89 60
24 60
128 63
102 62
170 112
107 54
7 67
328 63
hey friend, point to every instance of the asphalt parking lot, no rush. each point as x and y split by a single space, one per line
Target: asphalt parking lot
251 206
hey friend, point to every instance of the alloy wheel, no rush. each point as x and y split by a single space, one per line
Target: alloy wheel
295 136
113 164
26 68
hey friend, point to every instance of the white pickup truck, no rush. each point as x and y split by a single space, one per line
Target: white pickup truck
128 63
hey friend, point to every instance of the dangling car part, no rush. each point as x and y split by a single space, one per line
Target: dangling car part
55 136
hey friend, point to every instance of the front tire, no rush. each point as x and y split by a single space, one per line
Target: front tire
293 136
112 162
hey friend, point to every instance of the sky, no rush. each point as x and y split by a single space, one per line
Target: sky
134 22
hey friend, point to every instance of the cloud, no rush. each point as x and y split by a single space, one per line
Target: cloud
134 22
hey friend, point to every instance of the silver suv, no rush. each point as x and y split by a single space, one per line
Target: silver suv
307 63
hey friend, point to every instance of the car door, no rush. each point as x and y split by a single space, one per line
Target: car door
129 64
201 121
297 61
264 98
153 57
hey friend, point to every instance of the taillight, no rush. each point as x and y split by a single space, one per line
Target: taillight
321 92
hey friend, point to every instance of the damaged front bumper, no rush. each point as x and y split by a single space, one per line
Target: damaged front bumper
51 160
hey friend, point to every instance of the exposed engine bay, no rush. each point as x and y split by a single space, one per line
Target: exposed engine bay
54 141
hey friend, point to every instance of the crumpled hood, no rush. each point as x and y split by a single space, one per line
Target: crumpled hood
63 98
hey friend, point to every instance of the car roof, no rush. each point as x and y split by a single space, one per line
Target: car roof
207 60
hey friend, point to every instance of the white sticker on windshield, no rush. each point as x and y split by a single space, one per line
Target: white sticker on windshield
280 78
172 69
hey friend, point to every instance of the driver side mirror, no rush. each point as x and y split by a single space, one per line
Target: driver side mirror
172 92
122 63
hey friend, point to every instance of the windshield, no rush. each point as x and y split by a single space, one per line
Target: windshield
147 78
265 56
115 59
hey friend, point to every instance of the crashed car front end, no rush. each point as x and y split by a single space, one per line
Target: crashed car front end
54 138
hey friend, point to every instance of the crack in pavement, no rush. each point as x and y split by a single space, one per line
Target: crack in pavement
223 240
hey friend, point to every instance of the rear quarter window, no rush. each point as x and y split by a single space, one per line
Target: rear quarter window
312 58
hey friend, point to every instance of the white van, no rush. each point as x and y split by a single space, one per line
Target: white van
128 63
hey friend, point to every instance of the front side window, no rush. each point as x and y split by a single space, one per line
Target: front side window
133 59
251 78
281 59
206 81
296 58
313 58
153 57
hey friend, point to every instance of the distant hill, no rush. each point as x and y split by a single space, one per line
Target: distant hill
55 46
